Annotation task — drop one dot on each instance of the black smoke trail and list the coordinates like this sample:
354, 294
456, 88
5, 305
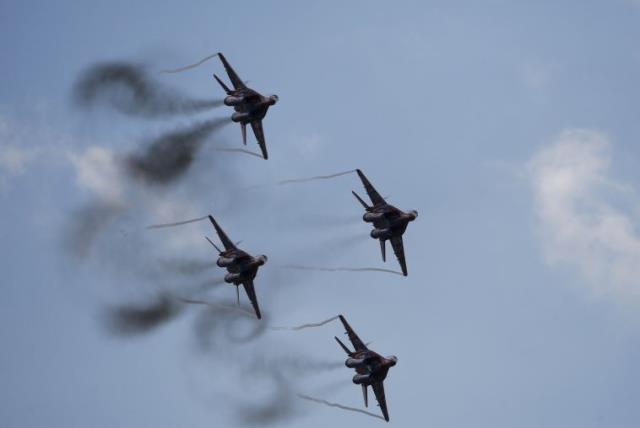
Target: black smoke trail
169, 156
131, 320
128, 89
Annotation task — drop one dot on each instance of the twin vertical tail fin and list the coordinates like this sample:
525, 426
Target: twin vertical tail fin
364, 204
342, 345
226, 89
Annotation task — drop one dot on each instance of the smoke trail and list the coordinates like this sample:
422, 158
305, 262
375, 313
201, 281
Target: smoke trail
228, 150
279, 407
186, 267
219, 306
131, 320
340, 406
129, 90
303, 326
318, 177
169, 156
341, 269
189, 67
179, 223
86, 224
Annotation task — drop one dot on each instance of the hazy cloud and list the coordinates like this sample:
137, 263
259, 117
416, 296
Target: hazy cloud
579, 223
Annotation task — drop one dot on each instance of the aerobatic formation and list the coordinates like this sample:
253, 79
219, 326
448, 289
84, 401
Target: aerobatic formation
250, 107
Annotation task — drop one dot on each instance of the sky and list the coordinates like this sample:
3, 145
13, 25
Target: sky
511, 126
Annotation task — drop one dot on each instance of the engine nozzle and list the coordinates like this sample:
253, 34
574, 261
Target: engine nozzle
381, 233
232, 101
372, 217
232, 278
240, 117
224, 261
354, 363
359, 379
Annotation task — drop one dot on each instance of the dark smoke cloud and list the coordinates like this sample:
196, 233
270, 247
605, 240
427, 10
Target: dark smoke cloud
169, 156
224, 321
133, 320
128, 89
278, 408
86, 224
186, 266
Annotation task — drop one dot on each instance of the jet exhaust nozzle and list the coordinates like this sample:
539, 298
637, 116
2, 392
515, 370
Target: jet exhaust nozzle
240, 117
353, 363
371, 217
232, 278
224, 261
359, 379
380, 233
232, 101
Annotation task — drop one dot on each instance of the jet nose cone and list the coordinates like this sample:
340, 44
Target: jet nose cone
393, 360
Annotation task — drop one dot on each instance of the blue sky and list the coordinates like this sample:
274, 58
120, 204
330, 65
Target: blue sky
511, 127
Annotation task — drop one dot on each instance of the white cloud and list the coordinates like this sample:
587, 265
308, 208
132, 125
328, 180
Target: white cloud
579, 225
98, 170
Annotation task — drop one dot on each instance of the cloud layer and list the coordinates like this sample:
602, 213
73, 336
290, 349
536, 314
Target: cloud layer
580, 221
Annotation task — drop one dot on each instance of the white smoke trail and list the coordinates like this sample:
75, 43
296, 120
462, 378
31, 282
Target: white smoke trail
317, 177
303, 326
340, 406
341, 269
189, 67
179, 223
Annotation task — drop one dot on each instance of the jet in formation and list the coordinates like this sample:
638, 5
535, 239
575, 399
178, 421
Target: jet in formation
389, 223
249, 105
242, 267
371, 368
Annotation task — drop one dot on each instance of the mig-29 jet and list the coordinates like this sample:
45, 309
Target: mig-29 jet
371, 367
242, 268
389, 222
249, 105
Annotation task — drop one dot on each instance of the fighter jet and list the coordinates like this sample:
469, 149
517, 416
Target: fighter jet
371, 368
388, 221
249, 105
242, 268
